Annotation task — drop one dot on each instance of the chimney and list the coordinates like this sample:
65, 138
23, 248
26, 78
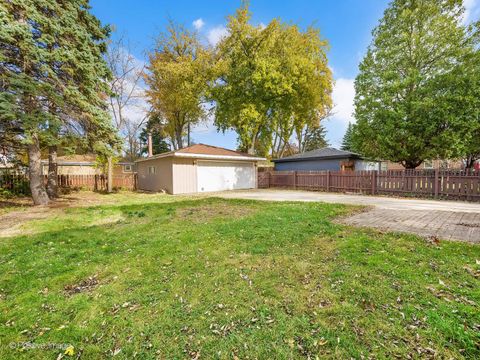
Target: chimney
150, 146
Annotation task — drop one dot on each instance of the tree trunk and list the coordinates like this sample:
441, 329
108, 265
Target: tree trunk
470, 162
179, 139
37, 185
411, 164
110, 175
52, 186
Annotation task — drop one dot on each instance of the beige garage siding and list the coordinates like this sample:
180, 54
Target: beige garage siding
184, 176
161, 180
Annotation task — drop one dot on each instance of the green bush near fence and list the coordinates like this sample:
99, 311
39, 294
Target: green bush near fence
13, 185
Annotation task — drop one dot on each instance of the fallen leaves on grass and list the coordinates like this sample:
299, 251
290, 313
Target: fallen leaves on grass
85, 285
475, 273
449, 297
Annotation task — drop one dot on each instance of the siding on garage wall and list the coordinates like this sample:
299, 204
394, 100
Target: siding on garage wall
184, 176
161, 180
309, 165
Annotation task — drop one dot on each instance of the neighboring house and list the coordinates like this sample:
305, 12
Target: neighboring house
198, 168
85, 165
456, 164
325, 159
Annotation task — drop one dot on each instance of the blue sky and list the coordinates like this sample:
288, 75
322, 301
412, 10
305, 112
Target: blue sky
346, 24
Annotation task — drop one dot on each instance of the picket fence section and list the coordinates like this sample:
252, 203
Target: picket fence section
446, 184
17, 182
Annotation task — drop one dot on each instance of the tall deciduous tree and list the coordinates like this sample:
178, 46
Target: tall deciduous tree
177, 77
127, 103
415, 47
272, 82
52, 74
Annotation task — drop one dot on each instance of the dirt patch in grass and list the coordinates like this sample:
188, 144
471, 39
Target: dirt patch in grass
115, 218
205, 213
86, 285
12, 223
9, 204
14, 213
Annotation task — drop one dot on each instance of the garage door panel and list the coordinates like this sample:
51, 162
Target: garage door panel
218, 176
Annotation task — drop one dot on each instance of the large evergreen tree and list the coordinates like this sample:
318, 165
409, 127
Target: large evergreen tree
52, 77
416, 48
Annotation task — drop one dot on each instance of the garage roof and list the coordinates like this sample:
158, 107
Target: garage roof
319, 154
204, 151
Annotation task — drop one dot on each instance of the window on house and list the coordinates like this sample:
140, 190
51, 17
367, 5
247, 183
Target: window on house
152, 169
127, 168
428, 164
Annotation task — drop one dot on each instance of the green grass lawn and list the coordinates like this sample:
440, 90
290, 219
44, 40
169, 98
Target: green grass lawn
167, 277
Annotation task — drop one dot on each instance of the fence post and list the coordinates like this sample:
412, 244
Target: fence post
294, 179
374, 182
435, 185
328, 180
268, 179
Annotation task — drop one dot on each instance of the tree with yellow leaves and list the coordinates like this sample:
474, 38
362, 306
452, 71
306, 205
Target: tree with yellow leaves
177, 77
272, 83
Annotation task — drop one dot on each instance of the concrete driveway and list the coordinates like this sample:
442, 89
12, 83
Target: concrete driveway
451, 220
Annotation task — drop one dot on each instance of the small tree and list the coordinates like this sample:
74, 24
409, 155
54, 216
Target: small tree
159, 145
347, 141
314, 139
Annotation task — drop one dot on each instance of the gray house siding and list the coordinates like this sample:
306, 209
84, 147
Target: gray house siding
309, 165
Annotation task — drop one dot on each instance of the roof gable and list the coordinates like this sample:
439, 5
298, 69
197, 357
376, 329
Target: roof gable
204, 149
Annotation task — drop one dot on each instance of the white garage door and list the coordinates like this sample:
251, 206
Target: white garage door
218, 176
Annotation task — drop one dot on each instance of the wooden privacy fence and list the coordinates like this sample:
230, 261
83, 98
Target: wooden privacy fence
17, 183
97, 182
449, 184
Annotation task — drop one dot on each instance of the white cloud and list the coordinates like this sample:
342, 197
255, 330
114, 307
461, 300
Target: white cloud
216, 34
343, 95
198, 24
472, 10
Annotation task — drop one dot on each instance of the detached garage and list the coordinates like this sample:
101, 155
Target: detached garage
198, 168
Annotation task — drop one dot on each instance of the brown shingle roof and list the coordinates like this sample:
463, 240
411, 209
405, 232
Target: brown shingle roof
210, 150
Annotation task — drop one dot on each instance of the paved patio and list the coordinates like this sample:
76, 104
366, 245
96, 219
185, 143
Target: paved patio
450, 220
